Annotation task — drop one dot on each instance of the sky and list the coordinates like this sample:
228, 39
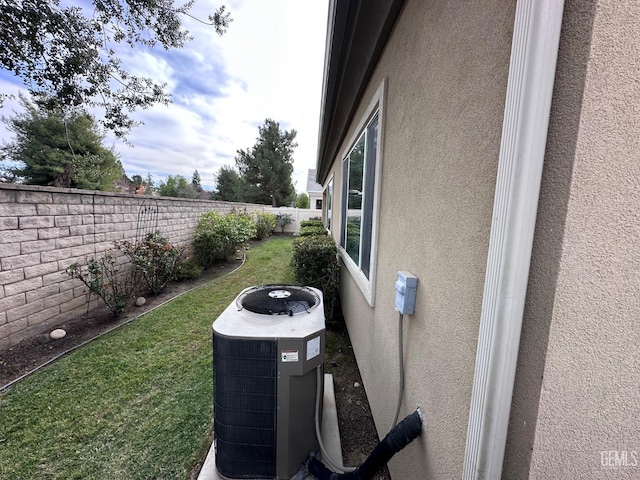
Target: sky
269, 64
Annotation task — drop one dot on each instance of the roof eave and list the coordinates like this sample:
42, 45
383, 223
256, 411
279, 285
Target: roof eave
357, 32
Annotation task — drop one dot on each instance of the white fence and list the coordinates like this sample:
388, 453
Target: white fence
297, 215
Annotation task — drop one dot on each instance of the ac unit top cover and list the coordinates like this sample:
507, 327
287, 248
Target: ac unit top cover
273, 311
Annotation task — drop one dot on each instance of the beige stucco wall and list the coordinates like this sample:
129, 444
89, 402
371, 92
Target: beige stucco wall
589, 401
446, 65
564, 125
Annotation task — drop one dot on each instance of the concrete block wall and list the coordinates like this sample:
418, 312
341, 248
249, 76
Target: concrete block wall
43, 230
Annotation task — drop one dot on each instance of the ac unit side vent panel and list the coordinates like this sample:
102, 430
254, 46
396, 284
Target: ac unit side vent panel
245, 405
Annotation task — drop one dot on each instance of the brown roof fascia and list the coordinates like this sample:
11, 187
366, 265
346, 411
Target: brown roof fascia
357, 33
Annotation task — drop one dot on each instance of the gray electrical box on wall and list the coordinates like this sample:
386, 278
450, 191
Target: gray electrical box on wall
406, 286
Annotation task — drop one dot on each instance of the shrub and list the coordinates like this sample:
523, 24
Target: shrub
188, 270
312, 227
312, 230
283, 220
218, 237
315, 264
265, 224
312, 222
103, 278
154, 260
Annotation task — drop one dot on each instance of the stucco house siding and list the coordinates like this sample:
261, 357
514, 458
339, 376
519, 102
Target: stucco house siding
443, 73
445, 66
564, 125
578, 382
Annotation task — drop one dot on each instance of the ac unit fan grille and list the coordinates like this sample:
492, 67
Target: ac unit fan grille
278, 300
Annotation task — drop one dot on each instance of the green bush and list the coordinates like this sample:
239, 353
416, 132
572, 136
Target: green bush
104, 278
265, 224
313, 222
312, 230
315, 264
283, 220
154, 260
312, 227
188, 270
218, 237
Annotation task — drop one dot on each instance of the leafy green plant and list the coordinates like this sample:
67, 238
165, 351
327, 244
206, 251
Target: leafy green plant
315, 264
312, 226
302, 200
265, 224
312, 222
312, 230
105, 279
218, 237
188, 270
283, 220
154, 260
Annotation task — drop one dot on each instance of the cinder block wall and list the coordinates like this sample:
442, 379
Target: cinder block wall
43, 230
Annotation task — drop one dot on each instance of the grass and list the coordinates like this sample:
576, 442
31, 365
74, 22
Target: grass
137, 403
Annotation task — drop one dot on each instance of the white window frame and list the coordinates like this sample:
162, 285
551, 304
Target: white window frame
366, 285
328, 202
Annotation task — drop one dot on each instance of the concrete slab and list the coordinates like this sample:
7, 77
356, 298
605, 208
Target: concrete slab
329, 432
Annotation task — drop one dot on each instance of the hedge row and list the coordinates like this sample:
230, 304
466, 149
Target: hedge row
315, 263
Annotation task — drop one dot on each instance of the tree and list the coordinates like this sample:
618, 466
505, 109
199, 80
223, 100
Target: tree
302, 201
230, 187
149, 186
51, 148
177, 186
196, 182
267, 167
67, 57
136, 182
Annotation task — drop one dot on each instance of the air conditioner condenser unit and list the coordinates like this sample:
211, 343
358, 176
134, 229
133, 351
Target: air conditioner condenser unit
267, 345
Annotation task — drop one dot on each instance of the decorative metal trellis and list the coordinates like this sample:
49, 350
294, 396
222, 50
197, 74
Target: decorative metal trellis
147, 219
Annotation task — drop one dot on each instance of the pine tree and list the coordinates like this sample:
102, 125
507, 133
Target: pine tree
230, 187
196, 182
51, 148
267, 167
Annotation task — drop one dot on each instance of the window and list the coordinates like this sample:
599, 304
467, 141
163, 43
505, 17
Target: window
358, 168
360, 172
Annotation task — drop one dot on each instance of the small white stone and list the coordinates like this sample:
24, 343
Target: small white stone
356, 384
57, 334
140, 301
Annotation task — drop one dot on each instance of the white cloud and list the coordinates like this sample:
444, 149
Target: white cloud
268, 65
10, 107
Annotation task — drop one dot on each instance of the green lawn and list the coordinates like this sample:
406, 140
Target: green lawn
136, 403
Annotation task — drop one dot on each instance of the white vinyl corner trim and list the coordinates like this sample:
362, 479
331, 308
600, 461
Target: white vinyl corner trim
534, 53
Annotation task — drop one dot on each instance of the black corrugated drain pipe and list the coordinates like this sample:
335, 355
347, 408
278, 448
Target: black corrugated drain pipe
398, 438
